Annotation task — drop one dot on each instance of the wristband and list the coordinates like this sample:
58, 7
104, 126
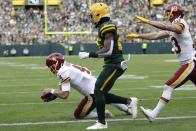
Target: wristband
93, 54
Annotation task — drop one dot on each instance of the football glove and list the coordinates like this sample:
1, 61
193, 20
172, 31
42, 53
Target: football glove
132, 36
142, 20
83, 55
47, 97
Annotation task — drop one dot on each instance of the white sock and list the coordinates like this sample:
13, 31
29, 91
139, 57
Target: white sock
167, 92
121, 107
158, 108
91, 115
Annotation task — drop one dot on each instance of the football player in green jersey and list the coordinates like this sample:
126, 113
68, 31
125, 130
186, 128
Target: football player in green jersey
110, 45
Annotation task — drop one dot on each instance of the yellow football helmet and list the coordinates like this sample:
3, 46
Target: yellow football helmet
99, 10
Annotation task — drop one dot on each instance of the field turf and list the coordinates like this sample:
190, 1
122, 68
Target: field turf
22, 80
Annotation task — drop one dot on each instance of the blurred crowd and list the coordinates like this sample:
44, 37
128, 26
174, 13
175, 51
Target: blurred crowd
19, 25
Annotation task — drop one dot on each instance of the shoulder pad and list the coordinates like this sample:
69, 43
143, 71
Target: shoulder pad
63, 74
179, 22
62, 70
109, 27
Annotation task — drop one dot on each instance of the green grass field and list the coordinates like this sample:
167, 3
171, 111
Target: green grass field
22, 80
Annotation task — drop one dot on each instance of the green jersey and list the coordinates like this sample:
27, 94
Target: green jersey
117, 55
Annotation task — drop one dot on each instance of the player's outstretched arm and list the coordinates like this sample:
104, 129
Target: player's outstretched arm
148, 36
50, 94
61, 94
176, 27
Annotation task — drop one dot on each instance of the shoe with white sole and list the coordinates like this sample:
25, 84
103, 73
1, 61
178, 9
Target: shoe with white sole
97, 126
148, 114
133, 107
108, 114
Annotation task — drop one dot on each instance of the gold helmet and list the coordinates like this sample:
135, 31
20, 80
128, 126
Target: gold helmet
98, 11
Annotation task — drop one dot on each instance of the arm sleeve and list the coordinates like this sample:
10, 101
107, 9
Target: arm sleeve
179, 23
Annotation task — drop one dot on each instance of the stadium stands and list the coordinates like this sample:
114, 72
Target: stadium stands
22, 26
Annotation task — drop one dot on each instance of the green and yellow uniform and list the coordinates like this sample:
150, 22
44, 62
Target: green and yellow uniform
111, 70
100, 16
116, 56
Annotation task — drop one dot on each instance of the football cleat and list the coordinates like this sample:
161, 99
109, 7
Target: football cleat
97, 126
148, 114
133, 107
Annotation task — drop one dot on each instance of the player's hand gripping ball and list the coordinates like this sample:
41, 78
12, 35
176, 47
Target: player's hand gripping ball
47, 96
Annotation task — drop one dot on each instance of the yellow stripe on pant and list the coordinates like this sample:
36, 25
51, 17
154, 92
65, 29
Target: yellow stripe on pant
107, 80
183, 75
87, 106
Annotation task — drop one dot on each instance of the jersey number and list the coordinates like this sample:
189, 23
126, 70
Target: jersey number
176, 45
82, 69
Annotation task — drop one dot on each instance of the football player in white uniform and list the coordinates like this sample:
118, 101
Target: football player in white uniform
81, 79
178, 30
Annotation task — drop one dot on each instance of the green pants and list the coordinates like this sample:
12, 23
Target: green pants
107, 78
104, 83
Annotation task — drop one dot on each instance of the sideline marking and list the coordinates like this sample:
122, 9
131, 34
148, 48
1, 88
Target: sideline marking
182, 88
86, 121
74, 102
26, 66
171, 60
136, 77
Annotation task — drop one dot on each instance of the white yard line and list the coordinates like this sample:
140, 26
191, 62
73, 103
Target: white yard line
187, 87
87, 121
38, 92
22, 92
75, 102
171, 60
34, 103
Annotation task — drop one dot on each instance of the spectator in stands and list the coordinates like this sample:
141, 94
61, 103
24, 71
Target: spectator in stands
21, 26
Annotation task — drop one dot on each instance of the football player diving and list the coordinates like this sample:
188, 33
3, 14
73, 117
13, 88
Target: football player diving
79, 78
178, 30
110, 48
